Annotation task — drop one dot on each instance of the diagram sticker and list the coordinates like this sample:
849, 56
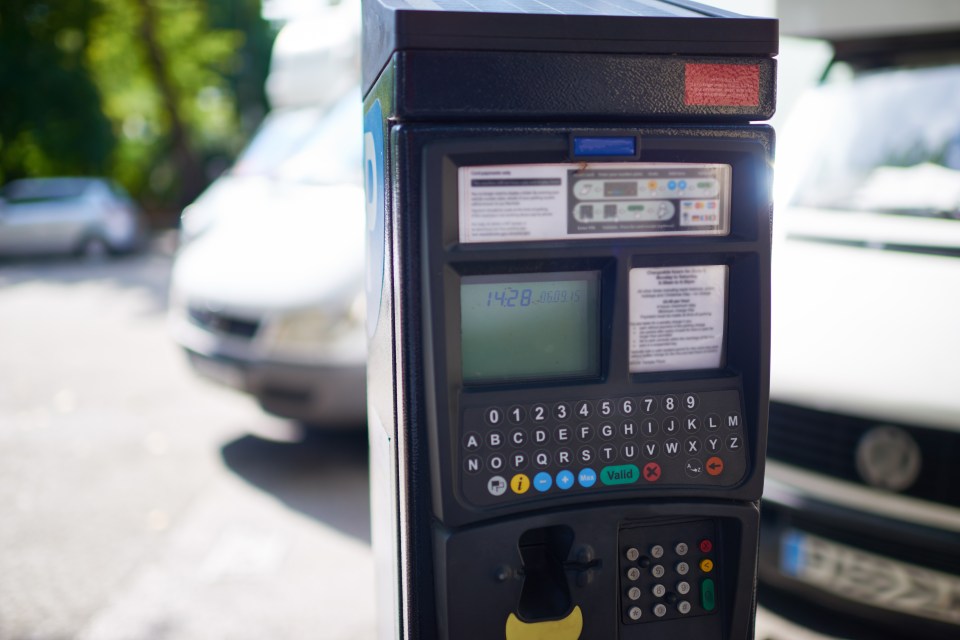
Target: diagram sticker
516, 203
677, 318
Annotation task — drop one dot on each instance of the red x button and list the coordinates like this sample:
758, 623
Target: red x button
651, 472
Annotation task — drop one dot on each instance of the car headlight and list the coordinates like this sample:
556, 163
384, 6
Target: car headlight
312, 328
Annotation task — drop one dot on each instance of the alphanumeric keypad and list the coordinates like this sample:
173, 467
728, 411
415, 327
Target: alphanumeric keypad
544, 449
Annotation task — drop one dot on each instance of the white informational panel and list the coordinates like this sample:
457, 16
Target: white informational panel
536, 202
677, 318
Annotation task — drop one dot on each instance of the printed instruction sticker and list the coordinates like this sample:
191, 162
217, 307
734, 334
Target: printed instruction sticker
677, 318
516, 203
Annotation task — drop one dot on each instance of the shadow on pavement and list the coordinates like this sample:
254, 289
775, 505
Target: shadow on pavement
323, 476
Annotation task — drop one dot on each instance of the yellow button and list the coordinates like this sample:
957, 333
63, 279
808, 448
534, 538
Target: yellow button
706, 565
520, 483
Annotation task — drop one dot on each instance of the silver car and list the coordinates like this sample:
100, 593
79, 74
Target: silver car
267, 291
91, 217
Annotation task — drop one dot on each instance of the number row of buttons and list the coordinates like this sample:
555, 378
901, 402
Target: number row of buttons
585, 409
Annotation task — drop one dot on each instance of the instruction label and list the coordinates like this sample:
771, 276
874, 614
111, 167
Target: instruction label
516, 203
677, 318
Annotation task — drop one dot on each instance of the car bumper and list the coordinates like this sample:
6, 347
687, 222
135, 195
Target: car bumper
823, 543
331, 396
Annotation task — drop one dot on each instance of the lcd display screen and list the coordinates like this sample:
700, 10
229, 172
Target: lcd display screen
530, 326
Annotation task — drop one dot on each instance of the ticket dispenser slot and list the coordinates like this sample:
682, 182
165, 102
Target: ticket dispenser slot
569, 300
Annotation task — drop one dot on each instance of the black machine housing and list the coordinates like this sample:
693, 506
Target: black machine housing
656, 543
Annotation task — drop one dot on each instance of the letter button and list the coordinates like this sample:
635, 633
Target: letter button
471, 441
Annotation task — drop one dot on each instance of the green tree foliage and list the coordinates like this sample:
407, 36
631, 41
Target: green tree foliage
50, 116
146, 91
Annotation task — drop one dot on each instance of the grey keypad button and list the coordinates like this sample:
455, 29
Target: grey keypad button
657, 571
683, 588
683, 607
656, 551
497, 486
660, 610
682, 568
635, 613
633, 574
658, 590
633, 554
634, 593
681, 549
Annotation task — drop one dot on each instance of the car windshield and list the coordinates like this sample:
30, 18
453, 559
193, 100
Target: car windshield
280, 135
886, 141
332, 153
308, 145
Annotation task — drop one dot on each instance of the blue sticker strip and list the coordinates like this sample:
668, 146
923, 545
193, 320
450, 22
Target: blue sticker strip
605, 146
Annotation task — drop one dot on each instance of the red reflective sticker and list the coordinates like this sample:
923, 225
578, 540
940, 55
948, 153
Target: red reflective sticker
722, 85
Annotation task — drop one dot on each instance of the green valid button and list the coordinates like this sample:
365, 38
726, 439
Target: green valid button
621, 474
635, 207
708, 597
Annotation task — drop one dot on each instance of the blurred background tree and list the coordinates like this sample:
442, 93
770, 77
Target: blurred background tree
158, 94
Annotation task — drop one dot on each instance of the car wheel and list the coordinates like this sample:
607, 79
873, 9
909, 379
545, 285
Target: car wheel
94, 249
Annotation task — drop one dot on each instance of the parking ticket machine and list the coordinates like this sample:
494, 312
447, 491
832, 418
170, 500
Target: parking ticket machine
568, 218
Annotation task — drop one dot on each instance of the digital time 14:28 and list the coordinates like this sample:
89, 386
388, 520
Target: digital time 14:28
525, 297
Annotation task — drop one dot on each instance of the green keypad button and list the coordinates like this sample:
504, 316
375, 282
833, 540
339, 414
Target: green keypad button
708, 597
619, 474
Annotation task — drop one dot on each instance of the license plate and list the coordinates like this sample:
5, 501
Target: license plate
224, 373
870, 579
